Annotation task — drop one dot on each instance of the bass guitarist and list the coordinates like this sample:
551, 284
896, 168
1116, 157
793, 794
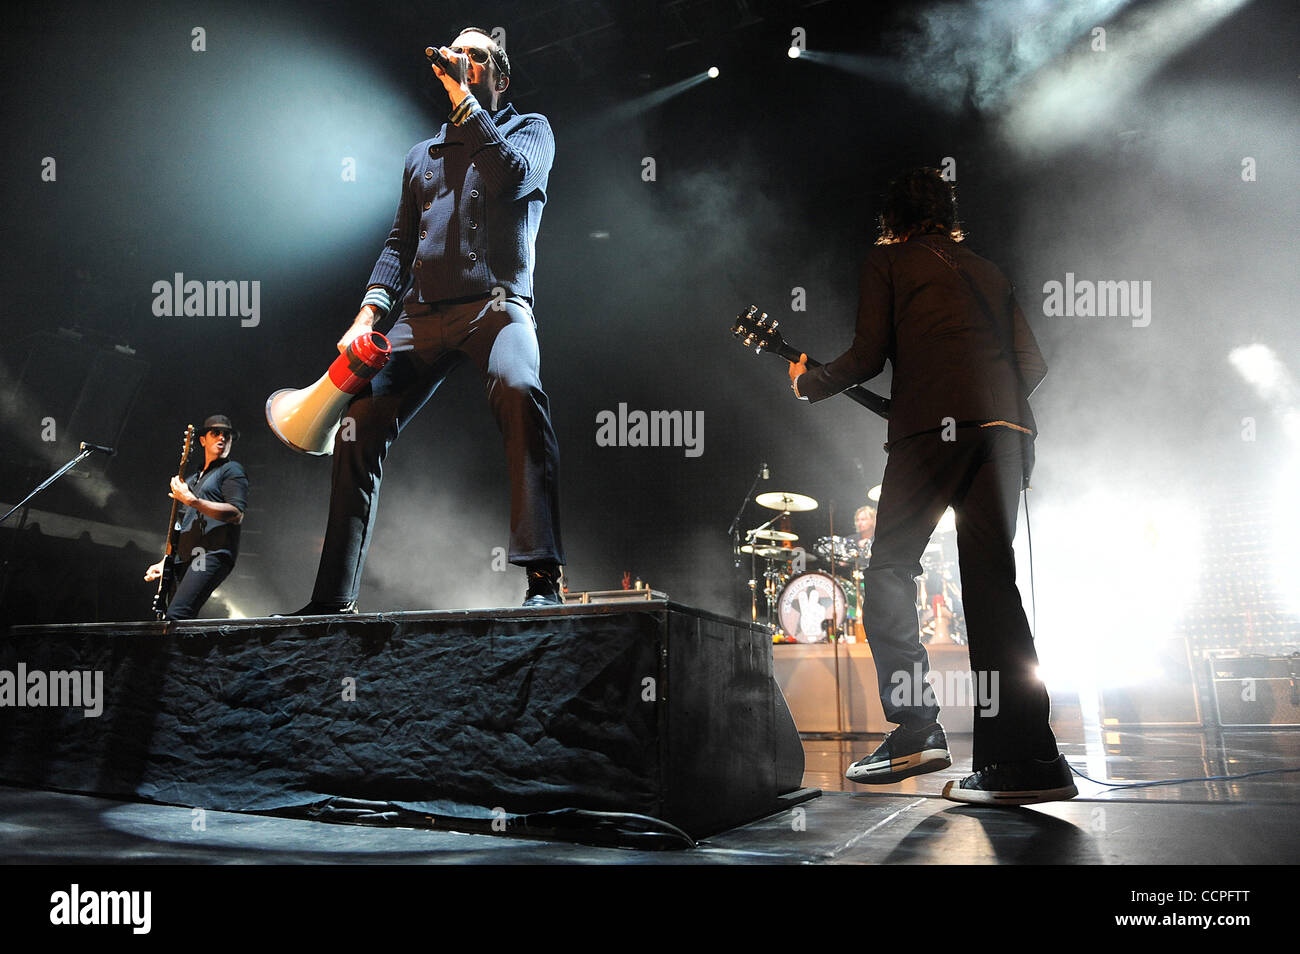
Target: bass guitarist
213, 499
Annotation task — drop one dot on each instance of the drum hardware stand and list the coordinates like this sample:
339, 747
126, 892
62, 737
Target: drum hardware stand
733, 531
835, 642
768, 595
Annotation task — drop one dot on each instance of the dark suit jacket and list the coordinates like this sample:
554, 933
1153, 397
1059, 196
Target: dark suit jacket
470, 208
917, 313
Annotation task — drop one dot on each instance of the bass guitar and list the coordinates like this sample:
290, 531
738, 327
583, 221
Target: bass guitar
167, 582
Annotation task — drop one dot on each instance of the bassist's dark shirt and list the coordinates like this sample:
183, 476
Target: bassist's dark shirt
224, 482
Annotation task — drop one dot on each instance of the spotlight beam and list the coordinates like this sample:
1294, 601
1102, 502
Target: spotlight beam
632, 108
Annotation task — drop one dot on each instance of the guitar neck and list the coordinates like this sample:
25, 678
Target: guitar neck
869, 399
755, 330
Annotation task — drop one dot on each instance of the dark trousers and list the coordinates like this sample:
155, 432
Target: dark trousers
500, 338
979, 476
195, 582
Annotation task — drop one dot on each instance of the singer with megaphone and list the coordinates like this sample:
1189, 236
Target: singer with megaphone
456, 275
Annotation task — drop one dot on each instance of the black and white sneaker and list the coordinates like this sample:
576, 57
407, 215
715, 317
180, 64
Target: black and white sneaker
1015, 783
904, 753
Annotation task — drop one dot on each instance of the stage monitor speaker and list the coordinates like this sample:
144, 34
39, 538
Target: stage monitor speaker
1256, 691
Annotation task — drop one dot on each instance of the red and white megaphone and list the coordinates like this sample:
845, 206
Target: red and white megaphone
307, 418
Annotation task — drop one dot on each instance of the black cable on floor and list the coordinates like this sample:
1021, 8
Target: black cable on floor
1178, 781
603, 829
617, 829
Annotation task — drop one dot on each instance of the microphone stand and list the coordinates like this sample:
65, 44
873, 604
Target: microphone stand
86, 451
733, 531
82, 455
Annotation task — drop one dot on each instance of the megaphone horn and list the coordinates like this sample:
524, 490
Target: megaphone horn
307, 419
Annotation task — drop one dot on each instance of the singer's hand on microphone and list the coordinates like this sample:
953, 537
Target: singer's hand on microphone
453, 84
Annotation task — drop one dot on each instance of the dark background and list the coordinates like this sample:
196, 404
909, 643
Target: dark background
225, 164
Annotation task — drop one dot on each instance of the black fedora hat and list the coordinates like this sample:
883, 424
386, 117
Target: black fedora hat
219, 422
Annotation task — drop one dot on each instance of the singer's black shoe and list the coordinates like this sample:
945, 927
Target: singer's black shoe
321, 609
904, 753
543, 585
1015, 783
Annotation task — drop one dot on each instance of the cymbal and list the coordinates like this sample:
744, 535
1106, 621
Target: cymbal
874, 493
784, 500
776, 553
779, 535
763, 551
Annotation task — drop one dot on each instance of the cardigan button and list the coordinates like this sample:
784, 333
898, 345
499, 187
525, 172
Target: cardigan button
473, 193
473, 257
428, 175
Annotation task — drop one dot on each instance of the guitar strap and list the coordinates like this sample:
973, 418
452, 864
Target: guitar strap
1004, 343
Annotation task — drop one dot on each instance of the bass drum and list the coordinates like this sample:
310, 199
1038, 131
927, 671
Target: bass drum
806, 605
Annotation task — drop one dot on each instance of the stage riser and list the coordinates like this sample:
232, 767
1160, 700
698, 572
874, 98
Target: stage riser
806, 675
656, 710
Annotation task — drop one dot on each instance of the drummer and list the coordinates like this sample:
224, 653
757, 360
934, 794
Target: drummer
865, 521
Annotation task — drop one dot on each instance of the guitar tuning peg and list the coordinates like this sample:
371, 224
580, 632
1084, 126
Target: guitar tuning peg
761, 345
761, 321
735, 330
749, 340
752, 310
773, 325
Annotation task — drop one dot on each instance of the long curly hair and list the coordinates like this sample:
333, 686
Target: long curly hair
919, 201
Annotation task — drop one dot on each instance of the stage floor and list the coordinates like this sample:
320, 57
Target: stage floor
1246, 822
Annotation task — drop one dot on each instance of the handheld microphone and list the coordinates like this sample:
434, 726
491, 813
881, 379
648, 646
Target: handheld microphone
444, 64
100, 448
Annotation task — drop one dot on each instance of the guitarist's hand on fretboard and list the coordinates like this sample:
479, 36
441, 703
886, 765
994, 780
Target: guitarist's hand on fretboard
797, 368
758, 331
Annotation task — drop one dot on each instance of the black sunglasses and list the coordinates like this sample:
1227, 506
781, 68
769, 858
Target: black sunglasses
475, 53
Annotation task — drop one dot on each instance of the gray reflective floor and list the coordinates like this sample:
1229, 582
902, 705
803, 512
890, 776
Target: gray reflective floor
1243, 822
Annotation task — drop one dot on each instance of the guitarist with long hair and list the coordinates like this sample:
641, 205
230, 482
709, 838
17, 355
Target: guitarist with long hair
206, 541
961, 435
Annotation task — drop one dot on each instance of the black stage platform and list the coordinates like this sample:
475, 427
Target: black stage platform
650, 708
211, 734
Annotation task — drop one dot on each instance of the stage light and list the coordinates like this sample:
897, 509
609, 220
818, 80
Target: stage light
713, 72
1069, 99
793, 52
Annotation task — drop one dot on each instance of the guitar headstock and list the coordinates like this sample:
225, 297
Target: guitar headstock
187, 444
757, 330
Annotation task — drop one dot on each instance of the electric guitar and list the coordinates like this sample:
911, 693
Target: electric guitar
167, 582
756, 330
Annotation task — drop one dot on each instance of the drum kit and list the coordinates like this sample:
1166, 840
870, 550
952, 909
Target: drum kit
801, 603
